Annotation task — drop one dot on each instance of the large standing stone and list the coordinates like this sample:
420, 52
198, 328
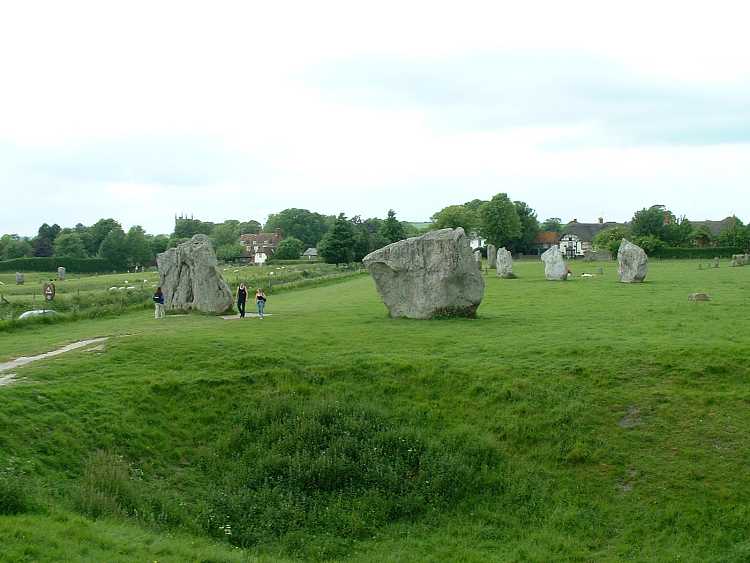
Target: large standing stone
19, 278
61, 273
491, 256
632, 262
504, 264
190, 279
428, 276
478, 258
554, 264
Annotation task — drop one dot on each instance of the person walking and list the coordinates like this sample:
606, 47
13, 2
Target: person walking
159, 304
241, 299
260, 301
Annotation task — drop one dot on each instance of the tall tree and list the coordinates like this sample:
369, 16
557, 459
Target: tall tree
225, 233
734, 235
99, 232
499, 222
137, 247
114, 248
305, 225
250, 227
651, 221
186, 227
70, 245
455, 216
529, 227
392, 230
337, 246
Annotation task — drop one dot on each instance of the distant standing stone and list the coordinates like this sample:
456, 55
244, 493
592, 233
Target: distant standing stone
632, 262
190, 279
61, 273
504, 264
716, 262
491, 256
554, 264
19, 278
428, 276
478, 258
699, 297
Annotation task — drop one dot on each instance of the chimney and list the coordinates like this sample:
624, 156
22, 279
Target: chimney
574, 221
601, 220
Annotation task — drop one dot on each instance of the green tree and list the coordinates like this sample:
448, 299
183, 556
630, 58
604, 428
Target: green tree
529, 227
226, 233
610, 239
702, 236
552, 225
651, 221
392, 230
230, 251
114, 248
250, 227
159, 243
99, 231
289, 249
70, 245
337, 246
499, 222
455, 216
678, 232
734, 235
649, 243
302, 224
366, 236
138, 248
186, 227
13, 246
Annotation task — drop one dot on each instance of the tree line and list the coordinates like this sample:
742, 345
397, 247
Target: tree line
499, 221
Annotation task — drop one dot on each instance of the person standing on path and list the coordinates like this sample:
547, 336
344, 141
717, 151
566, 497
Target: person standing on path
241, 299
159, 304
260, 301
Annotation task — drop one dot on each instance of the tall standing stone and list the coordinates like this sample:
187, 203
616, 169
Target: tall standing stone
61, 273
504, 264
19, 278
491, 256
190, 279
554, 264
429, 276
632, 262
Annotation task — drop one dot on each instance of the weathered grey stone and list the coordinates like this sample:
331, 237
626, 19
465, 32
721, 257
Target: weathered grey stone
61, 273
20, 278
504, 265
632, 262
554, 264
428, 276
190, 279
717, 261
478, 258
491, 256
699, 297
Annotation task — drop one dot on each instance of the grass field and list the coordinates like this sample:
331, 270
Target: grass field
582, 420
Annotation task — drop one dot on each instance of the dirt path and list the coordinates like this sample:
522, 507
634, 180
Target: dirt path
22, 361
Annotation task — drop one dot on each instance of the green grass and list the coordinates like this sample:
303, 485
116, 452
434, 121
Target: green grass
580, 420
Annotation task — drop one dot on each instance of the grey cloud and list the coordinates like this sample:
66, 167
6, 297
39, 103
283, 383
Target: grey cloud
494, 92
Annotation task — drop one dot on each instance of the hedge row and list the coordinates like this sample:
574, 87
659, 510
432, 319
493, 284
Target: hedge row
50, 264
708, 252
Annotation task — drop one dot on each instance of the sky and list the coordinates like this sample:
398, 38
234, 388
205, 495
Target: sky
143, 110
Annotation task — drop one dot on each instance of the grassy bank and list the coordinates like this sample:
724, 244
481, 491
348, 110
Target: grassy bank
581, 420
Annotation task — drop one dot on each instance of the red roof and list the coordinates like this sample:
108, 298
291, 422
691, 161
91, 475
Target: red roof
547, 237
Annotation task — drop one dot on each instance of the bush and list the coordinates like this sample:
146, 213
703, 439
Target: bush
106, 488
51, 263
706, 253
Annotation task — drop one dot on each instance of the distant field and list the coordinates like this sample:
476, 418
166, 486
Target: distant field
585, 420
83, 292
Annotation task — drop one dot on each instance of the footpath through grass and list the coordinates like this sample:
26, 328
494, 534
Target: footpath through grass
583, 420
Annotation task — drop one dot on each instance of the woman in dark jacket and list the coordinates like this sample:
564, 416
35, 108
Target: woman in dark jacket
241, 299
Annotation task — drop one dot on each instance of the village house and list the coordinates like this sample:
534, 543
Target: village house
544, 241
261, 246
578, 238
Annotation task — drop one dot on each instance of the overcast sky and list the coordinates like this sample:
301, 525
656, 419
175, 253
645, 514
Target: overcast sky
140, 110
